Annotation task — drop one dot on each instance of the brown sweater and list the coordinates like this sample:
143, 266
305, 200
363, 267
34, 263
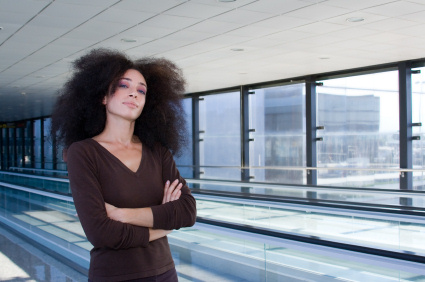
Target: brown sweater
123, 251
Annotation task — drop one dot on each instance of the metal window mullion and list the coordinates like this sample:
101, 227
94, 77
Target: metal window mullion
23, 145
311, 153
195, 137
32, 149
1, 149
42, 141
405, 121
244, 92
7, 148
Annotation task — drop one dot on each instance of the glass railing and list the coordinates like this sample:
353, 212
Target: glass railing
386, 229
51, 184
204, 252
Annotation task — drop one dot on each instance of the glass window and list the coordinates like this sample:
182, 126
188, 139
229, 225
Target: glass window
360, 115
185, 160
12, 146
277, 127
48, 147
219, 126
418, 116
4, 148
19, 144
28, 144
37, 144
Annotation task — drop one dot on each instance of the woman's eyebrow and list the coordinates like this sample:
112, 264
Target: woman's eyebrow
129, 79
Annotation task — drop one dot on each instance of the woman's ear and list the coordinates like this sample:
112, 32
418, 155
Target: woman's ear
104, 100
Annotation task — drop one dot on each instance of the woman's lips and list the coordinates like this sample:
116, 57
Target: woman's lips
131, 104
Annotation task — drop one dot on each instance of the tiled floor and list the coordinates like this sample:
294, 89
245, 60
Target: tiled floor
20, 261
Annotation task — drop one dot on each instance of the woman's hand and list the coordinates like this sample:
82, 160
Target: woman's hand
115, 213
172, 191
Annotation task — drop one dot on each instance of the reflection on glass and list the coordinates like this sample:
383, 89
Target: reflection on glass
219, 124
37, 144
47, 143
28, 145
418, 116
185, 160
19, 146
277, 118
4, 148
361, 120
12, 145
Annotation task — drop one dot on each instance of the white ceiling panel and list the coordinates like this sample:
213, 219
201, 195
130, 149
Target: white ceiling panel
17, 18
251, 31
358, 4
126, 17
24, 6
149, 5
320, 27
276, 7
280, 23
397, 8
417, 17
232, 5
243, 17
367, 18
318, 12
197, 10
413, 31
96, 31
145, 31
390, 24
98, 3
214, 27
170, 22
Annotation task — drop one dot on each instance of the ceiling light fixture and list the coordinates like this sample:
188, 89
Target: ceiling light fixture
226, 1
237, 49
128, 40
355, 19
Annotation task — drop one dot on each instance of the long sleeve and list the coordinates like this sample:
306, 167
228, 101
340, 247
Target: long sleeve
179, 213
86, 189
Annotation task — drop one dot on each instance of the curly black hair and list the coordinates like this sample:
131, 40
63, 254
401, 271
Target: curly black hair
80, 114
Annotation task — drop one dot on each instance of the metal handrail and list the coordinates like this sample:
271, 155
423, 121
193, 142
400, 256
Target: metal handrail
312, 168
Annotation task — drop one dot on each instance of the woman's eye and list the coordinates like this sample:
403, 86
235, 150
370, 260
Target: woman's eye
121, 85
141, 91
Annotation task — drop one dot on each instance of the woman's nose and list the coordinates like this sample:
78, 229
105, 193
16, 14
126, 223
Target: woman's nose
134, 94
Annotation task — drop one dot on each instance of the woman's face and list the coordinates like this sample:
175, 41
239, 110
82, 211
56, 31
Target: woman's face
129, 97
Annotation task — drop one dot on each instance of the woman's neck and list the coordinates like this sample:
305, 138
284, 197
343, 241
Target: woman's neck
118, 131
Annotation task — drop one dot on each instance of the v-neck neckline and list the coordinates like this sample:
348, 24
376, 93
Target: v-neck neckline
117, 160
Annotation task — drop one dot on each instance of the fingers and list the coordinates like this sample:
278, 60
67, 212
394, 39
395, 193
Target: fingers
172, 191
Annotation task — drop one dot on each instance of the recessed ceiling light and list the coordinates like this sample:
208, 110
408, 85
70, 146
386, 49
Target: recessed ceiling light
23, 93
225, 1
324, 58
237, 49
128, 40
355, 19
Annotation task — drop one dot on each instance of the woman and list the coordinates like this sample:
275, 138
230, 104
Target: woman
120, 120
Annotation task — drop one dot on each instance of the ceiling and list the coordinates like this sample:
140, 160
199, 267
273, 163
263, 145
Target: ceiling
217, 44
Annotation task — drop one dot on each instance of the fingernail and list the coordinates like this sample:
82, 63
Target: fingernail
168, 182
